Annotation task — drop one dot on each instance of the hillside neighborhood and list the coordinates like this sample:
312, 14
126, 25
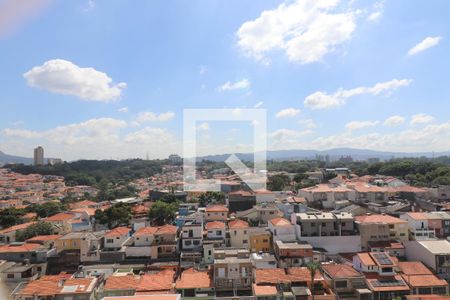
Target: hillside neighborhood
369, 237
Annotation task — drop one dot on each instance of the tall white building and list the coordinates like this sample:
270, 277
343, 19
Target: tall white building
38, 157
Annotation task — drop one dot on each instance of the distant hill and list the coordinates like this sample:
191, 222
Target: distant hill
357, 154
11, 159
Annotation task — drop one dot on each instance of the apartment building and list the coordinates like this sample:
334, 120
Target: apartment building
380, 228
344, 279
239, 233
232, 269
326, 194
433, 253
419, 228
324, 224
293, 254
282, 230
216, 213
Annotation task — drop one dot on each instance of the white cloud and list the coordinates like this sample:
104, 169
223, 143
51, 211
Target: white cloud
203, 70
63, 77
377, 13
425, 44
101, 138
258, 105
308, 123
394, 121
88, 132
123, 109
306, 30
241, 84
322, 100
357, 125
203, 127
287, 112
148, 116
421, 119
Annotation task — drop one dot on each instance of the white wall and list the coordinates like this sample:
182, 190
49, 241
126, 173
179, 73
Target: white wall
335, 244
416, 252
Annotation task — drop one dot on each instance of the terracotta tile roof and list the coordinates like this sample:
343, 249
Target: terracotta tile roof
427, 297
271, 276
48, 285
399, 286
379, 219
145, 231
161, 281
280, 222
264, 290
167, 229
89, 211
191, 279
146, 297
340, 271
302, 274
60, 217
118, 231
424, 280
417, 216
19, 248
413, 268
43, 238
238, 224
215, 225
82, 285
128, 282
366, 259
216, 208
84, 203
16, 227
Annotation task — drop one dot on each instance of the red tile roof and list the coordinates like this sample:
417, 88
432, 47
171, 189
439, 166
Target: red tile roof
264, 290
280, 222
43, 238
424, 280
238, 224
19, 248
161, 281
128, 282
379, 219
16, 227
216, 208
413, 268
192, 279
215, 225
60, 217
340, 271
118, 231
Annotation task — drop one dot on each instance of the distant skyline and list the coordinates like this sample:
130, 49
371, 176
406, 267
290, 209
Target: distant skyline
110, 79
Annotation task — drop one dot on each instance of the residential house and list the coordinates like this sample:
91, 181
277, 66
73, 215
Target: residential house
21, 272
239, 233
292, 254
18, 252
8, 235
191, 243
439, 221
418, 226
326, 195
120, 285
375, 262
282, 230
380, 228
216, 213
260, 214
215, 238
421, 280
154, 242
85, 244
367, 193
193, 285
324, 224
241, 200
433, 253
260, 240
263, 260
394, 248
344, 279
116, 238
232, 270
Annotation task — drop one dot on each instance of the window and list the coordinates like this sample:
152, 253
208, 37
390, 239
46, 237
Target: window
109, 241
341, 284
196, 243
221, 272
245, 231
187, 243
218, 232
10, 276
343, 224
313, 224
265, 240
244, 241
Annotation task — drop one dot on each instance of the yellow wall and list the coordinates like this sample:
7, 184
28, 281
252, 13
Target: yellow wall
257, 243
69, 244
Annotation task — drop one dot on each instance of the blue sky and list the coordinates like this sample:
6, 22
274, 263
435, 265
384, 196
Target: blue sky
110, 79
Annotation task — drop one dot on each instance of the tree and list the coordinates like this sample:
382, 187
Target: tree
47, 209
117, 215
39, 228
11, 216
162, 213
278, 182
300, 176
211, 197
312, 268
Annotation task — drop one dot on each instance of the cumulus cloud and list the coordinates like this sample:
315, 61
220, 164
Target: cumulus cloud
377, 12
394, 121
149, 135
322, 100
238, 85
357, 125
308, 123
305, 30
123, 109
421, 119
425, 44
258, 105
287, 112
64, 77
90, 131
148, 116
